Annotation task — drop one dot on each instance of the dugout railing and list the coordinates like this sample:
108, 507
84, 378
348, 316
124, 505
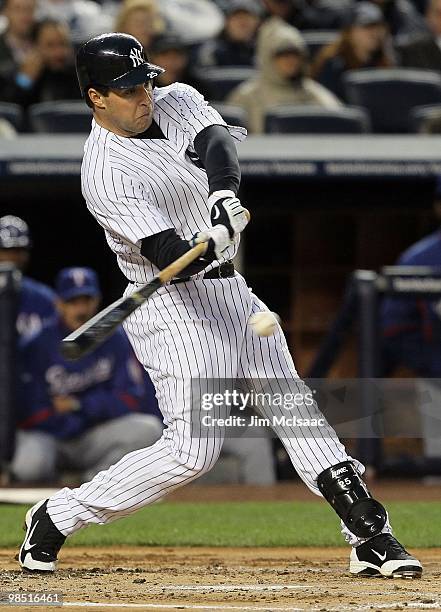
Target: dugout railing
360, 307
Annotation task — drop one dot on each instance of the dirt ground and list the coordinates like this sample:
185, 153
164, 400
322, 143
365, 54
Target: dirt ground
224, 579
238, 579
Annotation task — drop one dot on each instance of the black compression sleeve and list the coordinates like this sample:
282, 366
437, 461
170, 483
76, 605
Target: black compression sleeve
163, 248
217, 151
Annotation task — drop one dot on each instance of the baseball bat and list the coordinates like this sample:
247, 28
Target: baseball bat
92, 333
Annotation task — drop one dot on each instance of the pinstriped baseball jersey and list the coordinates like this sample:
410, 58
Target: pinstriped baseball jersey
138, 187
185, 332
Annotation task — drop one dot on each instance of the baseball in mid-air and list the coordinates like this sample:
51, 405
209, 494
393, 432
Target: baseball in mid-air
264, 323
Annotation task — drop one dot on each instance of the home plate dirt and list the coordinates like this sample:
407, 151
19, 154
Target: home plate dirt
141, 578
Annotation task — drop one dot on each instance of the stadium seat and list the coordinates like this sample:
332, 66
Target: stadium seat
389, 94
288, 119
317, 39
233, 115
220, 81
12, 113
72, 117
421, 115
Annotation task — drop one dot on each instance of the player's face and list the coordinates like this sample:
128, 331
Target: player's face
78, 310
126, 112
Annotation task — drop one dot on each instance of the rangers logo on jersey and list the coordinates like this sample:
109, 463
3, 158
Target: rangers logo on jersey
136, 57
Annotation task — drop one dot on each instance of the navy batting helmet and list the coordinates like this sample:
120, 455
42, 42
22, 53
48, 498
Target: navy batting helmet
14, 233
113, 60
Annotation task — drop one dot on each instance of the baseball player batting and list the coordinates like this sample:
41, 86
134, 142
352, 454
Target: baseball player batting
160, 174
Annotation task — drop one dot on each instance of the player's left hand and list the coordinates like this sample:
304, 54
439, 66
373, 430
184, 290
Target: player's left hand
217, 239
227, 210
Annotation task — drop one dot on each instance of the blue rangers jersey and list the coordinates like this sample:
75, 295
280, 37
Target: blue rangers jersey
36, 307
107, 384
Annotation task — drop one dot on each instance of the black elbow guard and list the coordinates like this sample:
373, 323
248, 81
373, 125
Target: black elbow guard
342, 486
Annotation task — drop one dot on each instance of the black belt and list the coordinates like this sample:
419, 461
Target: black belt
224, 270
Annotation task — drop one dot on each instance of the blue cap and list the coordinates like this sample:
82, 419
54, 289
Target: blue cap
72, 282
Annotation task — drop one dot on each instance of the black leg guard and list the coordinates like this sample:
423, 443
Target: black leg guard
343, 488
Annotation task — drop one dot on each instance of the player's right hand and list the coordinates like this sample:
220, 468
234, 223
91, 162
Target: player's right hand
217, 239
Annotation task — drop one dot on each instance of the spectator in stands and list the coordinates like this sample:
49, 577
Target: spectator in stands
36, 306
141, 19
361, 44
169, 52
83, 18
281, 76
424, 50
16, 41
194, 21
401, 16
412, 336
86, 414
48, 73
309, 14
235, 45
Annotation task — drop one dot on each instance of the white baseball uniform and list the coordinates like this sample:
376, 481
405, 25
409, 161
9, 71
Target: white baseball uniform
194, 330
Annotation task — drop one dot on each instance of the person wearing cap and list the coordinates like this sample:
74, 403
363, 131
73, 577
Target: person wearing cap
36, 305
83, 415
411, 335
235, 45
281, 76
363, 43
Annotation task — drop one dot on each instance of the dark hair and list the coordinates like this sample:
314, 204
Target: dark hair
343, 48
104, 91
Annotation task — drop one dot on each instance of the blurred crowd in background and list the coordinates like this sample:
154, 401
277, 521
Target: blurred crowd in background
290, 52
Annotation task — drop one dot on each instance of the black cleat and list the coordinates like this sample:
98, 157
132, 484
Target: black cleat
383, 555
38, 553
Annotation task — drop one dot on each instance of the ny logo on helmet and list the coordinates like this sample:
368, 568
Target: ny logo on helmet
136, 57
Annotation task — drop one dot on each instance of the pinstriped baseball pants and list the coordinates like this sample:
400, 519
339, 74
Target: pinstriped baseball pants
185, 332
